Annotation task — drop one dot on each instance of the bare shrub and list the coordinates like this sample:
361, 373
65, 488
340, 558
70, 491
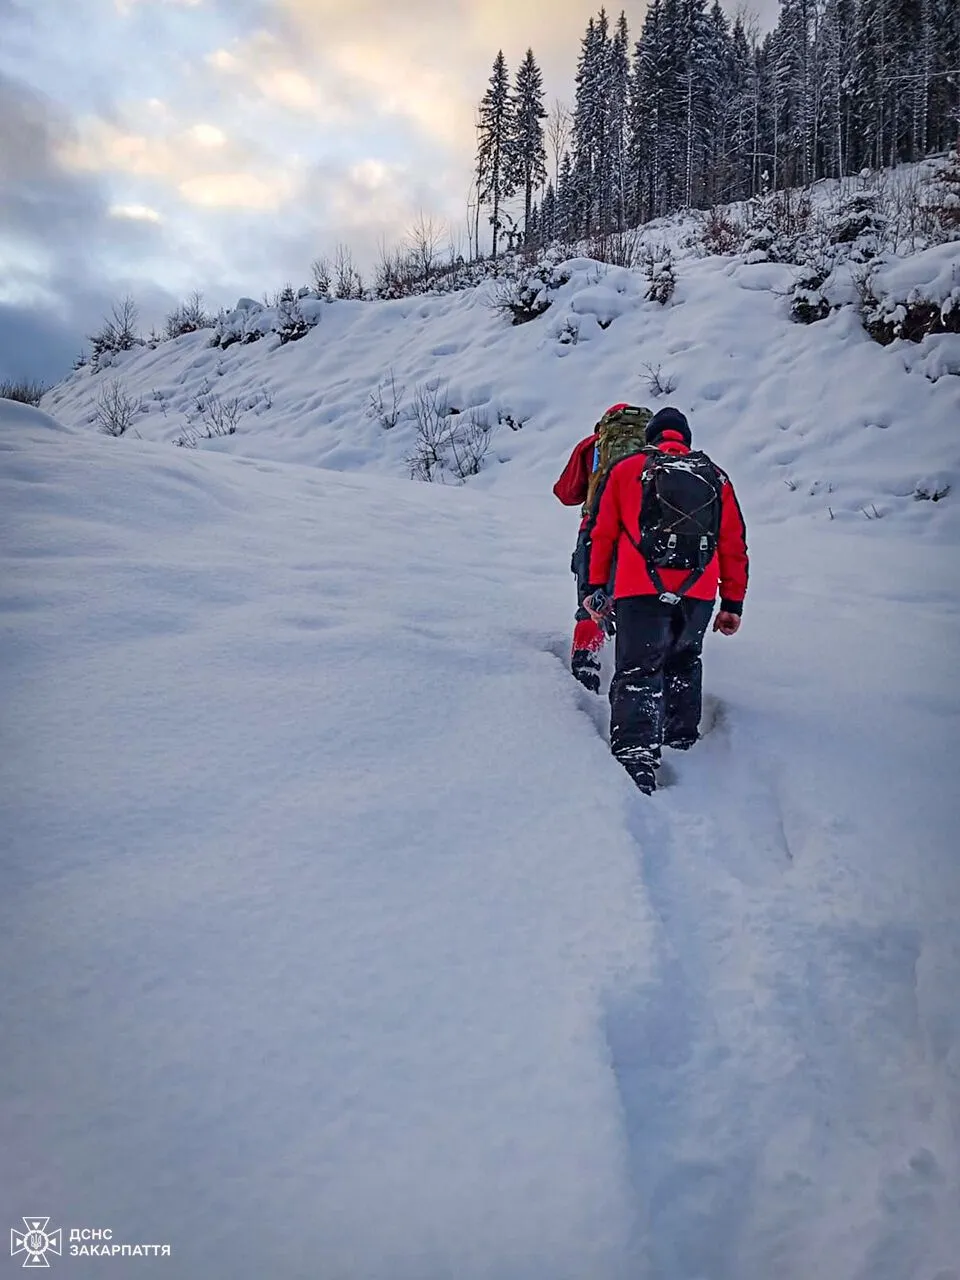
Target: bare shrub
423, 245
617, 248
22, 391
347, 279
118, 331
116, 410
385, 403
447, 441
321, 276
722, 234
430, 419
212, 418
219, 417
658, 383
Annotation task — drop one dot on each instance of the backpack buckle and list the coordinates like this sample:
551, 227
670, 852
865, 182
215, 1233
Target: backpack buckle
670, 597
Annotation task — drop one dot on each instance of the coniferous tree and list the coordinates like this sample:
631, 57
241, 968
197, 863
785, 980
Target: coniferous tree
740, 120
618, 109
568, 209
588, 124
718, 178
527, 152
495, 131
943, 108
548, 215
694, 46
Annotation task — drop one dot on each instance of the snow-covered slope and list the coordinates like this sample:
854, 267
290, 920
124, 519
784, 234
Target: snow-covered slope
817, 421
335, 942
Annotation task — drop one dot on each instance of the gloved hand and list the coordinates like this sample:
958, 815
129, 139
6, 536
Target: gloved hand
598, 604
727, 624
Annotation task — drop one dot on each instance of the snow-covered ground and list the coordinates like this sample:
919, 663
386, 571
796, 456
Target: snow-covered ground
334, 942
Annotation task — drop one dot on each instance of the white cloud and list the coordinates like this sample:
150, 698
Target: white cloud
208, 135
125, 7
136, 212
237, 190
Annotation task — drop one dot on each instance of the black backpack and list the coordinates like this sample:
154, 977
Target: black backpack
679, 516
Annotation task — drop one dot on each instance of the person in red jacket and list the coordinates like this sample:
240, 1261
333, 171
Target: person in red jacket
655, 695
589, 633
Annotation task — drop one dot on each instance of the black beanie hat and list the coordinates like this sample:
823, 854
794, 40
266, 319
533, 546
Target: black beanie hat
668, 419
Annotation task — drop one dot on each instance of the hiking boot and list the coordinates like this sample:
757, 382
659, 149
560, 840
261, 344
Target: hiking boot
642, 768
585, 666
644, 775
680, 744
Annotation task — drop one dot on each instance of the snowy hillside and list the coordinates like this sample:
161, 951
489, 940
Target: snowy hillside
819, 421
337, 944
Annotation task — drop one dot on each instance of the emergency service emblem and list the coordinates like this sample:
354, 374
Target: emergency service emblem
36, 1242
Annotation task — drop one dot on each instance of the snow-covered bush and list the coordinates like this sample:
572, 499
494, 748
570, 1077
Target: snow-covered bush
22, 391
947, 197
659, 269
291, 323
860, 224
912, 297
291, 316
188, 317
781, 227
808, 302
530, 294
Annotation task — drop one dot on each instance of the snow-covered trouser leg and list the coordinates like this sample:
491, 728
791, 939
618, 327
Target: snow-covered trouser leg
655, 692
588, 637
683, 674
637, 688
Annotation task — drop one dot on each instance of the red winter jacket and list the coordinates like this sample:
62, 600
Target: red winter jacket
571, 488
620, 510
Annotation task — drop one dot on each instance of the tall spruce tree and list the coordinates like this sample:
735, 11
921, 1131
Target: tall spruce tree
567, 220
618, 108
495, 131
527, 151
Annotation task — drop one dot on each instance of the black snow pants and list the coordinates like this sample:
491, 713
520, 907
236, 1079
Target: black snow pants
656, 692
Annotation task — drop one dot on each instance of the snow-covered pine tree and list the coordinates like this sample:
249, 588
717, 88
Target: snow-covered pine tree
527, 152
618, 99
834, 59
740, 116
548, 215
495, 130
874, 66
590, 129
644, 119
566, 222
943, 127
656, 112
795, 87
694, 48
718, 173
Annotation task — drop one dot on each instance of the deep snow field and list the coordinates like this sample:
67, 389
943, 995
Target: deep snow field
336, 946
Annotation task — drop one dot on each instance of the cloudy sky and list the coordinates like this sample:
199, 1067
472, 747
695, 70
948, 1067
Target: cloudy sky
160, 146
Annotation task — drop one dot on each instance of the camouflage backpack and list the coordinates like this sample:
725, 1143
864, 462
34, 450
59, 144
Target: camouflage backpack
620, 432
